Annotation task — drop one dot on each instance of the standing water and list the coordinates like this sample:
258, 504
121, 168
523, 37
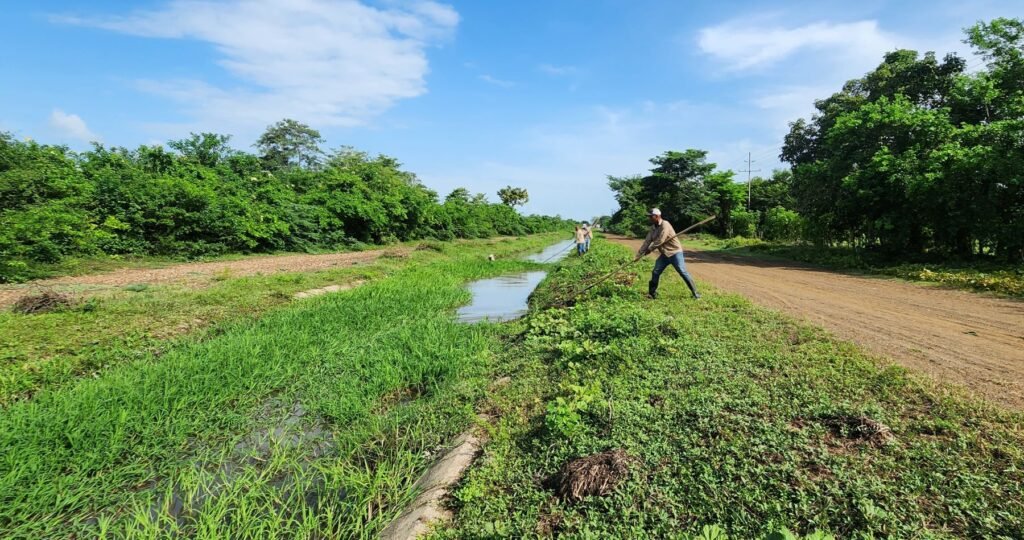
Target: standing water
501, 298
553, 253
505, 298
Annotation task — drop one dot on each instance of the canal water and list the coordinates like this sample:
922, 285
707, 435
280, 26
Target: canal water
504, 298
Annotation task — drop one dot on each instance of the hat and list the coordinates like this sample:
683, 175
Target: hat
654, 212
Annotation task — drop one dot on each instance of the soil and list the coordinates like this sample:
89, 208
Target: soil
200, 273
969, 339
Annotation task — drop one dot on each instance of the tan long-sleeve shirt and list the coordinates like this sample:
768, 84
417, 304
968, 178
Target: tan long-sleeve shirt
662, 236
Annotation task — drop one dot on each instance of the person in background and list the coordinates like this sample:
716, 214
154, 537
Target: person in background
663, 238
580, 241
587, 237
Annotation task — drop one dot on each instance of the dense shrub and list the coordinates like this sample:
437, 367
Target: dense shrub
782, 224
205, 198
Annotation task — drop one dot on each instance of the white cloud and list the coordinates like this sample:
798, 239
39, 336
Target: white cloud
72, 126
751, 44
496, 82
332, 63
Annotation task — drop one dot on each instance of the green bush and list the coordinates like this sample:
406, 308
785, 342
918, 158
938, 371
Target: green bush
782, 224
206, 198
744, 223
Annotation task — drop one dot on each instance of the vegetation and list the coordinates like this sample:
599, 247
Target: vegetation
201, 197
919, 156
686, 188
311, 421
733, 419
976, 275
315, 419
513, 196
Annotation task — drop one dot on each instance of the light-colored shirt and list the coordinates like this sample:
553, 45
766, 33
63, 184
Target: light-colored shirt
662, 236
580, 236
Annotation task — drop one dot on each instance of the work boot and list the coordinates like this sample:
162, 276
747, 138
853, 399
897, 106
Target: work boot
652, 290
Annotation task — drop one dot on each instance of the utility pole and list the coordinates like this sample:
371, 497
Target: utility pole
748, 171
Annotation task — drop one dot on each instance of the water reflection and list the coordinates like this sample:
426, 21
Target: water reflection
553, 253
501, 298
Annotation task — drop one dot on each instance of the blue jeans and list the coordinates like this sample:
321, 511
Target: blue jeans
679, 264
586, 245
580, 249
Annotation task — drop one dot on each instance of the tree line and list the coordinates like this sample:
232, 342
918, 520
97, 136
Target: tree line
920, 155
199, 196
688, 188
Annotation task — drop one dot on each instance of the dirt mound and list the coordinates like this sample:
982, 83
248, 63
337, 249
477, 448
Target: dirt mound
858, 428
596, 474
43, 302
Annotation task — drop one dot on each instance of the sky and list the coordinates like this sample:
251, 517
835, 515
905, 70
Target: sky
548, 95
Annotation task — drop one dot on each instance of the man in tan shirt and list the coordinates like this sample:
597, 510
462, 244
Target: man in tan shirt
662, 237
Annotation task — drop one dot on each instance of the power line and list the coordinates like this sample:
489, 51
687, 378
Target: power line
748, 171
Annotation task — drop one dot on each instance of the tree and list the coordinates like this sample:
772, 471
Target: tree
918, 156
207, 149
683, 185
513, 196
289, 143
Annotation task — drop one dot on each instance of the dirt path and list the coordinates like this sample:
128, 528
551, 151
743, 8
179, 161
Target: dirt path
198, 274
961, 337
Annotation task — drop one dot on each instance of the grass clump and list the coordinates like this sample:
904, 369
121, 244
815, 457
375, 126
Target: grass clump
736, 421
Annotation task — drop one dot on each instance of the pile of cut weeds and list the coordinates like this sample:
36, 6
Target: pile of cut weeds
44, 302
593, 475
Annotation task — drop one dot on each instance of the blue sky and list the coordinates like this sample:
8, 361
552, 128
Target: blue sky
552, 96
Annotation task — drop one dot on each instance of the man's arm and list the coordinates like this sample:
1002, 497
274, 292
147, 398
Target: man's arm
647, 243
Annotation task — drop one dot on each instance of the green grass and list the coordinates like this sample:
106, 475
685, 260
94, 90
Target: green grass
122, 325
982, 276
202, 440
731, 414
313, 419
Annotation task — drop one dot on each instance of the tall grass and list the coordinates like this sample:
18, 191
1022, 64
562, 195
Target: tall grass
164, 446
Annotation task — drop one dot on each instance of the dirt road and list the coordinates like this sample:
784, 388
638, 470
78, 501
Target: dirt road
965, 338
198, 274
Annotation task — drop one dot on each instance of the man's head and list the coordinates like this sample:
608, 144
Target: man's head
654, 215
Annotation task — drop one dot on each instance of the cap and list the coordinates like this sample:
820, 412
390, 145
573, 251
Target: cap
654, 212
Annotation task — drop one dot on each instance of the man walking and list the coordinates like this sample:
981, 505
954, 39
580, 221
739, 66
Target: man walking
588, 235
662, 237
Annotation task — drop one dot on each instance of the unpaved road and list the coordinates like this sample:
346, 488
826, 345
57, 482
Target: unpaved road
198, 274
969, 339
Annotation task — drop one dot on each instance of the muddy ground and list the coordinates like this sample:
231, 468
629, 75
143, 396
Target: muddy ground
965, 338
